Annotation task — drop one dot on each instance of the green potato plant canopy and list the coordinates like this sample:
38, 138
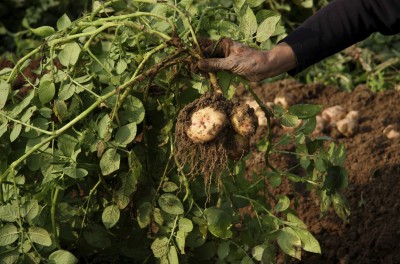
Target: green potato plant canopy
88, 171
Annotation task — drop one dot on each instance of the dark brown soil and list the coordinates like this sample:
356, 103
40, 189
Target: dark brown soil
372, 234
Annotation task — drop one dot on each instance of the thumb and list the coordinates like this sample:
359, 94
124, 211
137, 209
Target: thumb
212, 65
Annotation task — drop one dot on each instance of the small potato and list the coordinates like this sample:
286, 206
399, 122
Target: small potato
243, 120
333, 114
206, 124
284, 100
239, 148
320, 126
390, 132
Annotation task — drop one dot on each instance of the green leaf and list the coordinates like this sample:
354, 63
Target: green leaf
8, 213
173, 255
46, 91
128, 187
283, 204
160, 247
255, 3
103, 129
97, 237
257, 252
60, 110
238, 4
67, 144
21, 106
110, 216
43, 31
63, 22
289, 242
185, 225
248, 23
75, 173
267, 28
218, 222
69, 54
144, 214
246, 260
169, 186
66, 91
171, 204
296, 221
4, 91
8, 234
62, 257
134, 109
10, 257
180, 240
30, 210
110, 161
336, 179
121, 67
341, 206
126, 134
308, 241
223, 250
274, 179
289, 120
15, 132
304, 111
39, 236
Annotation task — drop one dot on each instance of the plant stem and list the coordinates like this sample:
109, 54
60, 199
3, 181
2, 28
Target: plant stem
53, 216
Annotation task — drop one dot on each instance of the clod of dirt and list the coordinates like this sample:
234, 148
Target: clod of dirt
243, 120
391, 132
204, 158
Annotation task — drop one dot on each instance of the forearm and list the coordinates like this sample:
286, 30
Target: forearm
339, 25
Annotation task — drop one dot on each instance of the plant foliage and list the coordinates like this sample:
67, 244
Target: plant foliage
88, 171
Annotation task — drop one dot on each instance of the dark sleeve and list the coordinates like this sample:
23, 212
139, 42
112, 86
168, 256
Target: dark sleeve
340, 24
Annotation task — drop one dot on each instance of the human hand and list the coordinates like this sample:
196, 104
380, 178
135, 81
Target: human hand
252, 64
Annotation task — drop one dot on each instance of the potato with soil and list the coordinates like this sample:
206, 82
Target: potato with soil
243, 120
206, 124
239, 146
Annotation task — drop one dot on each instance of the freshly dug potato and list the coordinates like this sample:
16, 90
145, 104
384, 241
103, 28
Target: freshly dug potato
349, 125
243, 120
391, 132
333, 114
206, 124
239, 147
320, 126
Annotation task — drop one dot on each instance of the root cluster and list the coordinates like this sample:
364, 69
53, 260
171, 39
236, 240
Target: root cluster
210, 158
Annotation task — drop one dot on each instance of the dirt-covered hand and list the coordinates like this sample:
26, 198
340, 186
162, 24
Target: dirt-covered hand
252, 64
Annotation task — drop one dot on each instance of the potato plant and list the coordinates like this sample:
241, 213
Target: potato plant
89, 170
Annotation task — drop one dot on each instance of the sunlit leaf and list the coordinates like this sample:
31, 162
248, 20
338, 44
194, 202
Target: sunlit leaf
43, 31
63, 22
69, 55
110, 216
304, 111
289, 242
248, 23
267, 28
160, 247
4, 90
171, 204
110, 161
8, 234
39, 236
62, 257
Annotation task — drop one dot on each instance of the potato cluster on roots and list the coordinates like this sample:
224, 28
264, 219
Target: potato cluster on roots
205, 137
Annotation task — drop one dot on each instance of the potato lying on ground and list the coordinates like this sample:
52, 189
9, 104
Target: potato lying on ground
285, 100
243, 120
206, 124
349, 125
333, 114
391, 132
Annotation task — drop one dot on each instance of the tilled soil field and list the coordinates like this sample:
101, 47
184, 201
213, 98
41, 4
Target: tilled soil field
372, 234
